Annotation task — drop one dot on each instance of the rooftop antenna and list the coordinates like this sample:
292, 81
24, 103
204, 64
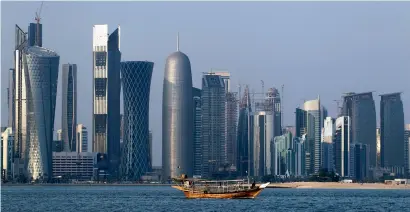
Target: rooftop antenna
178, 42
38, 18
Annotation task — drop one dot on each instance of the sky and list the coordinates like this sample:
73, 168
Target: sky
312, 48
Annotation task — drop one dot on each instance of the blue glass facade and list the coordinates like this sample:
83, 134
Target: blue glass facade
136, 82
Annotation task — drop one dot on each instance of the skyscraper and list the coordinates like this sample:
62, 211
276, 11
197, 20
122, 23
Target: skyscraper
69, 111
378, 146
213, 124
196, 93
392, 131
231, 113
243, 140
327, 144
342, 146
20, 101
136, 82
106, 94
82, 139
177, 141
273, 97
262, 141
11, 98
7, 143
42, 68
359, 161
150, 148
407, 149
314, 123
361, 110
35, 34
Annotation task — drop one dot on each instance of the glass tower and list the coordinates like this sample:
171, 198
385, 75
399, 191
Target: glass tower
69, 110
106, 96
42, 68
136, 82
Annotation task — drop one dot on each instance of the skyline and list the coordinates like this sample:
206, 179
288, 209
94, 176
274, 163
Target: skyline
248, 62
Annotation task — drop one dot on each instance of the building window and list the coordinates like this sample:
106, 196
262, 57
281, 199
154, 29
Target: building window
100, 58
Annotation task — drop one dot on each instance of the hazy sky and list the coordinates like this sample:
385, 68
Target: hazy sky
320, 48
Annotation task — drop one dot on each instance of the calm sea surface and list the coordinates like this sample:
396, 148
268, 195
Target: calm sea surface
164, 198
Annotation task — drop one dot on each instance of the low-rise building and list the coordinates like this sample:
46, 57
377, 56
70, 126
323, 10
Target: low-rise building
74, 165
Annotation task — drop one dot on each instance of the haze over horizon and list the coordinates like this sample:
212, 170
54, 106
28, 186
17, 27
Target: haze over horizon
313, 48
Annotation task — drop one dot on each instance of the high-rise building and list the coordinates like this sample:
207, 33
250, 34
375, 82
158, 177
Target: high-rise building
150, 151
327, 144
69, 111
231, 116
314, 123
279, 150
342, 146
7, 142
122, 127
231, 113
262, 140
359, 161
361, 110
20, 101
35, 34
82, 139
177, 127
299, 156
274, 104
392, 131
196, 94
407, 149
378, 146
11, 98
213, 100
244, 133
42, 68
136, 83
106, 94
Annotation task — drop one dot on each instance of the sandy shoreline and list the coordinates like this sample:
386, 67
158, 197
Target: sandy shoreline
336, 185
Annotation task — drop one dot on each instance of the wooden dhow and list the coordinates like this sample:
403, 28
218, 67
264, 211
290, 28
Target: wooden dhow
222, 189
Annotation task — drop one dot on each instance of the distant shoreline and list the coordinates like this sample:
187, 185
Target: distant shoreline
293, 185
83, 184
336, 185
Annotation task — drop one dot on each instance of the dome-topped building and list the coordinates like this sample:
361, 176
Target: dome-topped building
177, 116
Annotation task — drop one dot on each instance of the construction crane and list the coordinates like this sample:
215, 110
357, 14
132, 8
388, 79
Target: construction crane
38, 18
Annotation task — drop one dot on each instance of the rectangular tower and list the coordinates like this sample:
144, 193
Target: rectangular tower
106, 93
196, 94
69, 110
213, 98
82, 139
342, 146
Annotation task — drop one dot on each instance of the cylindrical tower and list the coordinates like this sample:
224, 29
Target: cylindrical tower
42, 67
136, 83
177, 117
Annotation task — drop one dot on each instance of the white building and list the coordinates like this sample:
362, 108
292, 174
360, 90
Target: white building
82, 139
342, 146
327, 144
77, 165
7, 141
60, 135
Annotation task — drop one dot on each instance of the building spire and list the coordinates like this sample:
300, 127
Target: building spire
178, 42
